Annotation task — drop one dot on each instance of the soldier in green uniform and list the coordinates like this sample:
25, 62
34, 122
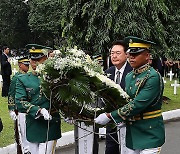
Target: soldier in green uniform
42, 119
142, 114
17, 116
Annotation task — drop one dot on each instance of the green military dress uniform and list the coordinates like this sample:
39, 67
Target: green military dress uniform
30, 100
11, 94
144, 122
12, 89
142, 113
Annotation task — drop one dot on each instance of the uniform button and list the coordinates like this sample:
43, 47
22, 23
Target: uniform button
130, 88
130, 123
150, 126
134, 76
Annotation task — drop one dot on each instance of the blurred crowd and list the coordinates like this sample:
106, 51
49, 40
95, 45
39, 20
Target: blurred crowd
164, 66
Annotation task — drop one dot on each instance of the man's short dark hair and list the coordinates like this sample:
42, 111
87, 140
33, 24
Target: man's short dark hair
120, 42
4, 48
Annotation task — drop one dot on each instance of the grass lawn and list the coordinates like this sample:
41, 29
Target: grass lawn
174, 103
7, 135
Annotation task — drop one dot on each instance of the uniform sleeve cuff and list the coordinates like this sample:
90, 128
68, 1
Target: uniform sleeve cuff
115, 117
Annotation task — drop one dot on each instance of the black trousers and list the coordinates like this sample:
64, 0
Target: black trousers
112, 147
6, 84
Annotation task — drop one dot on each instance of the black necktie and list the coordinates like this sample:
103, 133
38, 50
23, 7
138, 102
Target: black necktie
118, 77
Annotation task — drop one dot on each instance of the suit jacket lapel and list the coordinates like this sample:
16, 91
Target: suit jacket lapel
127, 69
112, 72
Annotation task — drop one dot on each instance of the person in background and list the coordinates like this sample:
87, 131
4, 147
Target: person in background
170, 65
159, 65
117, 73
145, 132
22, 143
42, 119
6, 71
175, 68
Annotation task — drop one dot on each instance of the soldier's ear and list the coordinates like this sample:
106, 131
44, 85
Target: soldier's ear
148, 56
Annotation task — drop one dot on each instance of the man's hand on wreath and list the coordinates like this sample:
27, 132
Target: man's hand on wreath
103, 119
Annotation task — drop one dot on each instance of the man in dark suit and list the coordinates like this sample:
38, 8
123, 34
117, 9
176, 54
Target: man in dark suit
159, 65
117, 73
5, 71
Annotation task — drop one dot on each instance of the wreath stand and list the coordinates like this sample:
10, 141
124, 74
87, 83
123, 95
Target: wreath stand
86, 141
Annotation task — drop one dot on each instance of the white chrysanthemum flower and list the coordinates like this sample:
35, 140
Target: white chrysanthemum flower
91, 73
57, 52
88, 59
77, 60
76, 53
112, 84
40, 68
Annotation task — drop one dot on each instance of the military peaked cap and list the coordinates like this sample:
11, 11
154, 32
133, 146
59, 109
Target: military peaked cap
23, 56
37, 51
98, 57
137, 45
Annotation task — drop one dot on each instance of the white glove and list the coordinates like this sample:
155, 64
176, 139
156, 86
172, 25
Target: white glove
12, 115
102, 119
45, 114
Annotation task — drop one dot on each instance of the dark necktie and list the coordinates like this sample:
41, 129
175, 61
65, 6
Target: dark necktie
118, 77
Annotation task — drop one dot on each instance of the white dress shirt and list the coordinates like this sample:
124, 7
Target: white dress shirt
120, 70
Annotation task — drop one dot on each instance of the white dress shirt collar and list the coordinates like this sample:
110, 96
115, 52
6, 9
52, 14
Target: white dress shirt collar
120, 70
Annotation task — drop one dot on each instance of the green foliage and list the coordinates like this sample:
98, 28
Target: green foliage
93, 25
90, 24
98, 23
13, 23
45, 15
173, 28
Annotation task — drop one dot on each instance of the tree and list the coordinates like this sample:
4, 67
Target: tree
95, 24
173, 28
14, 23
45, 19
92, 25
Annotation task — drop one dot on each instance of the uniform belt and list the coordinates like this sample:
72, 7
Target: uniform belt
148, 115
